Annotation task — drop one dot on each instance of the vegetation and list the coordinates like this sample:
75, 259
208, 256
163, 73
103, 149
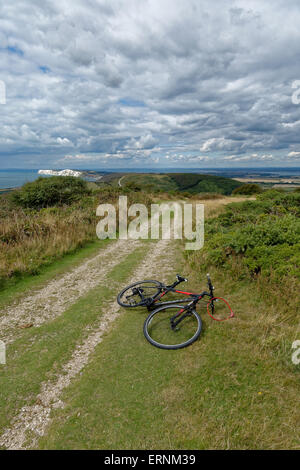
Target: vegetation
149, 182
261, 236
174, 183
205, 196
31, 238
51, 217
46, 192
195, 183
132, 186
248, 189
35, 231
256, 244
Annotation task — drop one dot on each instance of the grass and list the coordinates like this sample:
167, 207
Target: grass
235, 388
17, 287
30, 239
228, 390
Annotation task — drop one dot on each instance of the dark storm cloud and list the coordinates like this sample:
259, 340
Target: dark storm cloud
93, 83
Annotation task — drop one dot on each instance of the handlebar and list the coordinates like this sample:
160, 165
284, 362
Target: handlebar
180, 278
183, 279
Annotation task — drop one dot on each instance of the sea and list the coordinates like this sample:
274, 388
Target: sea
14, 178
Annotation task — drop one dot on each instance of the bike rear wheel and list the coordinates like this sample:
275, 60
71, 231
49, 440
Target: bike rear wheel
159, 332
139, 293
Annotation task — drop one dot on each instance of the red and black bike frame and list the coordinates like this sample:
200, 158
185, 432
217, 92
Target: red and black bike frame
192, 298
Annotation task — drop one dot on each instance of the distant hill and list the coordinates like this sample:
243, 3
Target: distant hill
184, 182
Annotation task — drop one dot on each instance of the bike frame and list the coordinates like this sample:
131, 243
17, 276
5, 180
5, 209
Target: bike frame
193, 298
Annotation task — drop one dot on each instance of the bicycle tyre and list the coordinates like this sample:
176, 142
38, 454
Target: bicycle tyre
162, 345
155, 290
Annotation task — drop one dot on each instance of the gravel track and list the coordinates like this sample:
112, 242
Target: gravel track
52, 300
32, 420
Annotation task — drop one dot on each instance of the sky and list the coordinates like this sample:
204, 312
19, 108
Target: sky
149, 83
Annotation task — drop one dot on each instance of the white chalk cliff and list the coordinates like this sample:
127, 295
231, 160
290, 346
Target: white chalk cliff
60, 173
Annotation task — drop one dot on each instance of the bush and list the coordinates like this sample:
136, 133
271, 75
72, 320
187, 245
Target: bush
132, 186
46, 192
248, 189
263, 236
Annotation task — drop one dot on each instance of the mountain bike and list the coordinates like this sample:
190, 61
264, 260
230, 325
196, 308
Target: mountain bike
172, 325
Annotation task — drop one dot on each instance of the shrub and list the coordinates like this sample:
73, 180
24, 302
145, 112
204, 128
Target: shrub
263, 236
46, 192
132, 186
248, 189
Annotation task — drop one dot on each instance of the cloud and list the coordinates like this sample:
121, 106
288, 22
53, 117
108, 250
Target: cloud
154, 82
295, 155
146, 141
219, 144
254, 157
63, 141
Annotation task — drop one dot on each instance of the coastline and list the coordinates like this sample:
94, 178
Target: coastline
284, 177
8, 190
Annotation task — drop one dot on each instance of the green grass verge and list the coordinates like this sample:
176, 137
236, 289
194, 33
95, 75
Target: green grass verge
229, 390
20, 286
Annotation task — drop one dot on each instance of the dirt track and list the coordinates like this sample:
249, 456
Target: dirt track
35, 418
53, 299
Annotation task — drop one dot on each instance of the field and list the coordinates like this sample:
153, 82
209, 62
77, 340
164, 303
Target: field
288, 184
79, 373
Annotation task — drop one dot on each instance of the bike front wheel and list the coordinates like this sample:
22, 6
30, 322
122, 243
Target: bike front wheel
172, 327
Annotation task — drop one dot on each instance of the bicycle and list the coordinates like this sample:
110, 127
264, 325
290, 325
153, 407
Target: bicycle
171, 325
